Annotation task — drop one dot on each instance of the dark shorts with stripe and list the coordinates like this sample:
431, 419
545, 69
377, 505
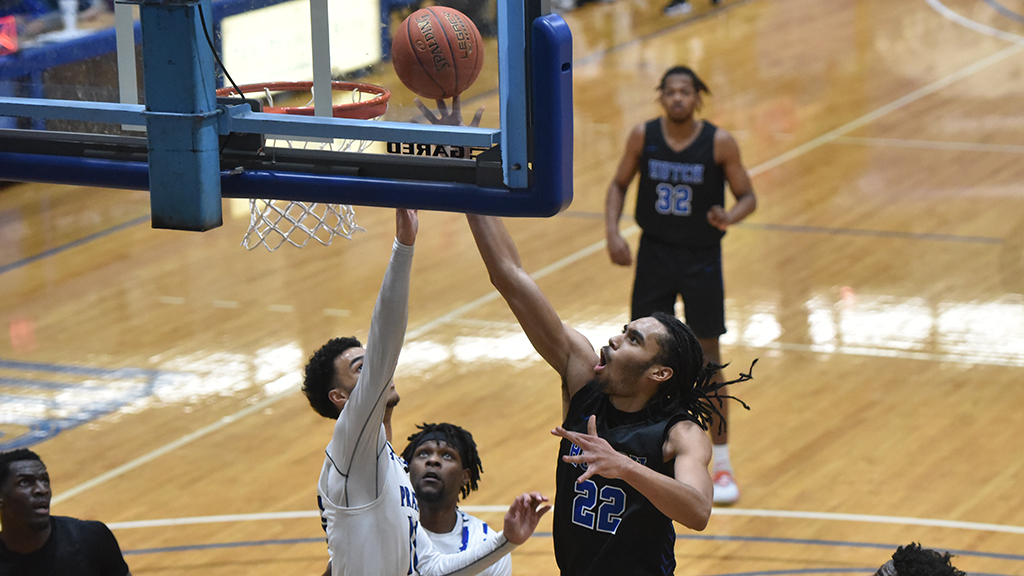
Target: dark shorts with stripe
665, 271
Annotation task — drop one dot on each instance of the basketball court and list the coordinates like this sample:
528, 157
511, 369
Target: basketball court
880, 284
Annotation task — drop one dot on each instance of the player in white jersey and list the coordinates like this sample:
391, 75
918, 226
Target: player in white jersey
367, 503
444, 465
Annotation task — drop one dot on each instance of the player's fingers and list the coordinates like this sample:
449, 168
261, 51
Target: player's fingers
592, 425
477, 117
559, 431
442, 107
586, 474
427, 113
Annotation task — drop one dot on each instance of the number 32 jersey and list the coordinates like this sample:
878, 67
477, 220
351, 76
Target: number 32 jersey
605, 526
677, 189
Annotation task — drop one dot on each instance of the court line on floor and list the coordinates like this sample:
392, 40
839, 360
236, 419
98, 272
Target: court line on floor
558, 265
931, 144
1003, 10
229, 419
952, 16
745, 512
73, 244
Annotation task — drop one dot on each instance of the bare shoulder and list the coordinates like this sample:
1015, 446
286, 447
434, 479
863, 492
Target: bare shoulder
723, 136
687, 439
637, 134
726, 147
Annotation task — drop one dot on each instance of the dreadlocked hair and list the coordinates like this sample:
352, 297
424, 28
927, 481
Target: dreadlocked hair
912, 560
455, 436
692, 387
318, 379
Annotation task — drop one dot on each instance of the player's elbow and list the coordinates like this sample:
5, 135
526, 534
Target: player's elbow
751, 200
697, 517
699, 521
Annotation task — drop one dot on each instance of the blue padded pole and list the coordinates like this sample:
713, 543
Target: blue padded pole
512, 91
184, 163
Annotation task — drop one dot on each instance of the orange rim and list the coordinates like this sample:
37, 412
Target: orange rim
364, 110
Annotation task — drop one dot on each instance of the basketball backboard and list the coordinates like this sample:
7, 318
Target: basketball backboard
157, 124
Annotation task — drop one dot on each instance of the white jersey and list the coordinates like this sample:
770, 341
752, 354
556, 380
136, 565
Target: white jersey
367, 503
468, 531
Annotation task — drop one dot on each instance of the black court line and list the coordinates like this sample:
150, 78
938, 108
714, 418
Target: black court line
74, 244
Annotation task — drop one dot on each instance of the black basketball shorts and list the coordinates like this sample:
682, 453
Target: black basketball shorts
665, 271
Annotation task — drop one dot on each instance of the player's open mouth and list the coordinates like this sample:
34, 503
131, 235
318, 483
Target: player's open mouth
603, 361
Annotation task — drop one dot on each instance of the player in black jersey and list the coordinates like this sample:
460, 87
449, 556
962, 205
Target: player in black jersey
684, 163
34, 542
634, 453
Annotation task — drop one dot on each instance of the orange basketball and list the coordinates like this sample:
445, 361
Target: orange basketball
437, 52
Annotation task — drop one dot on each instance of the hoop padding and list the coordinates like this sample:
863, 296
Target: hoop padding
274, 223
365, 110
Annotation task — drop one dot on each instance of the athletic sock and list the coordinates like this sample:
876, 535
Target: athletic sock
720, 453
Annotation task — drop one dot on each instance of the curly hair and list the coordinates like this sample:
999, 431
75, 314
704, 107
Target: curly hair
319, 375
454, 436
913, 560
691, 387
19, 455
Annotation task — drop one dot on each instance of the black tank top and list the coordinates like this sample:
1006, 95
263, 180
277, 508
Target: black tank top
603, 526
678, 188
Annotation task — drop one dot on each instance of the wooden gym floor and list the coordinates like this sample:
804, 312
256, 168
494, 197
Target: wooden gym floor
880, 283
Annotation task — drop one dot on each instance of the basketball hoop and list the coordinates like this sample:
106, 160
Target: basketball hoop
273, 223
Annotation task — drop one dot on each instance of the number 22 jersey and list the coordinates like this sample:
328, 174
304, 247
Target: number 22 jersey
606, 526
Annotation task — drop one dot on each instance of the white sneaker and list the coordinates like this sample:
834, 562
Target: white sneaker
726, 490
678, 8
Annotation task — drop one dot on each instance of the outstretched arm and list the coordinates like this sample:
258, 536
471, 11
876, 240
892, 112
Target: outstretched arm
684, 497
520, 522
727, 155
359, 438
562, 347
618, 248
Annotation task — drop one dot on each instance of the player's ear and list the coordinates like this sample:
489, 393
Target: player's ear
660, 372
337, 397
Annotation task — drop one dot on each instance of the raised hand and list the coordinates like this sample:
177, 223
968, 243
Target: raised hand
523, 515
407, 224
452, 117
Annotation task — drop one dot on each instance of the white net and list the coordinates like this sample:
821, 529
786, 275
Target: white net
275, 223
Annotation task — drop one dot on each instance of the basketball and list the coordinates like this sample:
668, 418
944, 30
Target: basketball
437, 52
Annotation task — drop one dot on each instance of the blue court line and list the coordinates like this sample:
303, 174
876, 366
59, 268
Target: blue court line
74, 244
830, 231
861, 571
874, 233
1005, 11
44, 385
81, 370
756, 539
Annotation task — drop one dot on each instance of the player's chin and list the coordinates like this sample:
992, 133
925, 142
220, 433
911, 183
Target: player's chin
393, 400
